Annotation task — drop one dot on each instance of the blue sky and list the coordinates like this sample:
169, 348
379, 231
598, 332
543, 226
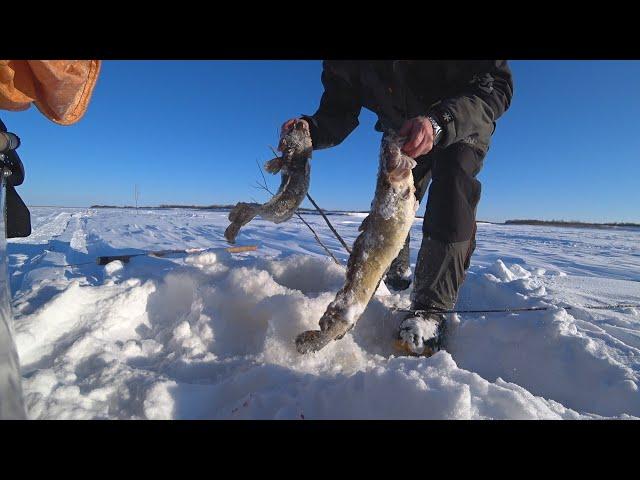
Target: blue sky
190, 132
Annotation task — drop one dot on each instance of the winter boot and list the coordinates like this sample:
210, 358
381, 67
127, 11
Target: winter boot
421, 334
398, 281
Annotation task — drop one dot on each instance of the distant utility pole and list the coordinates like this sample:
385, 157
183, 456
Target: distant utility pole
136, 195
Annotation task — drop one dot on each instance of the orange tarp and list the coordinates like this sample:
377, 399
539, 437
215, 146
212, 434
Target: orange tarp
61, 89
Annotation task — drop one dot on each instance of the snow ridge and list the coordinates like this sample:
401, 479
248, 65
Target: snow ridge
211, 335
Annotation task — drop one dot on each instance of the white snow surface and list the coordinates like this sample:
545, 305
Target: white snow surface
210, 335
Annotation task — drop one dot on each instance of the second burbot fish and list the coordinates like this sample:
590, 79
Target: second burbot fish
295, 171
383, 234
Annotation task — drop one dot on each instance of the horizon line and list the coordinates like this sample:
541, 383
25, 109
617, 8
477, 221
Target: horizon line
203, 207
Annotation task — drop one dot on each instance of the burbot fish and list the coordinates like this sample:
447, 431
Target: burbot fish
295, 170
382, 236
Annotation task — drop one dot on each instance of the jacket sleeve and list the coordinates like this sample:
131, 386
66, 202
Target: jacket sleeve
483, 100
337, 115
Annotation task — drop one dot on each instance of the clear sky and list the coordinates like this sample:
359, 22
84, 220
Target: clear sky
190, 132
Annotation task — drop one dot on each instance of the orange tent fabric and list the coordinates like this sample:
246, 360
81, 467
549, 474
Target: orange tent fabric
60, 89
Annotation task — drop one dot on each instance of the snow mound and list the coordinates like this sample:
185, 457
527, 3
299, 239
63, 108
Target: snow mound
218, 344
211, 335
548, 352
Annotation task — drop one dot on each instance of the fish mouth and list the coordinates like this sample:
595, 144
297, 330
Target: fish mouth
396, 164
295, 134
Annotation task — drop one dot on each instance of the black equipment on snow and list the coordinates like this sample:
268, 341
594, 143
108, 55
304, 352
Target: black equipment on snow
18, 217
104, 260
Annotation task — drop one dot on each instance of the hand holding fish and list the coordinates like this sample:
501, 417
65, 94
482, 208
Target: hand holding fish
420, 136
295, 170
382, 235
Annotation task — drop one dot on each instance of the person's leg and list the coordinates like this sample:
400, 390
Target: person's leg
399, 275
447, 244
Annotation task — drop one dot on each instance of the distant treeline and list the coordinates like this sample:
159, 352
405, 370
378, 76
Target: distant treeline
226, 208
196, 207
564, 223
312, 211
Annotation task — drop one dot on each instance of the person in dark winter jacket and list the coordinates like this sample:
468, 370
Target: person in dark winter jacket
447, 109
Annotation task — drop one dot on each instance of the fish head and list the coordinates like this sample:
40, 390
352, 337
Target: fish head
396, 165
296, 140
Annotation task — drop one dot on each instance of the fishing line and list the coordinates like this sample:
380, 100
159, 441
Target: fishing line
523, 309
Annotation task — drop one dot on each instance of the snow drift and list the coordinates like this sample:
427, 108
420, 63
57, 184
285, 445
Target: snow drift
211, 335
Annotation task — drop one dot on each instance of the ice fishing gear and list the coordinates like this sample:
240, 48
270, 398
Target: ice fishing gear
8, 141
104, 260
266, 188
18, 217
63, 92
326, 219
331, 227
11, 402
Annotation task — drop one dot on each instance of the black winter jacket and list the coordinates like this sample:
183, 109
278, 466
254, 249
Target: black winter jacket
466, 97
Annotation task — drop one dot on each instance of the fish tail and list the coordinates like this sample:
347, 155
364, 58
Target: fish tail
239, 216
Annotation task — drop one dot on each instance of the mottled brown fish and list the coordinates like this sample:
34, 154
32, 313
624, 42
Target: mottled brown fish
295, 170
383, 234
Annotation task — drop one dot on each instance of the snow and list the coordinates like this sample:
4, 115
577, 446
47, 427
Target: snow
210, 335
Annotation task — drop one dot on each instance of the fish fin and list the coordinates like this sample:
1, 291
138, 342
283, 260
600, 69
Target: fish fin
274, 166
311, 341
364, 224
402, 169
406, 193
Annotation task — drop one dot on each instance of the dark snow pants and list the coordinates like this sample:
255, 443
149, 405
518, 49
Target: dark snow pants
449, 225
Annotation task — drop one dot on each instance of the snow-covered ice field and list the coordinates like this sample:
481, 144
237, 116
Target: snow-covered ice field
211, 335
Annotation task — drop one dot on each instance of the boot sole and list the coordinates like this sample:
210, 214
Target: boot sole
402, 347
